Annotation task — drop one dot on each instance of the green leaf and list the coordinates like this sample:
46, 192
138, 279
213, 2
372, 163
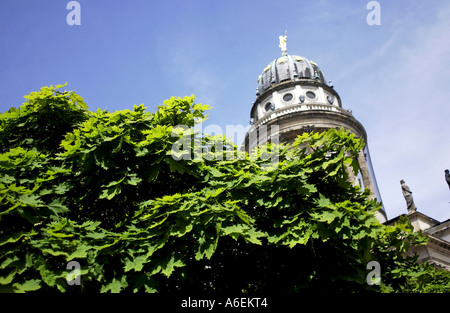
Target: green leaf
79, 253
30, 285
115, 286
62, 188
90, 225
57, 207
7, 279
58, 235
12, 258
6, 179
207, 248
133, 180
306, 189
234, 230
31, 200
169, 267
326, 216
253, 236
110, 192
54, 252
15, 237
323, 202
95, 235
108, 245
136, 264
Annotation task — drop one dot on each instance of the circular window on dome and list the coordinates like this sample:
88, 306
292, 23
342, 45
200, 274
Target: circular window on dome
310, 95
269, 106
288, 97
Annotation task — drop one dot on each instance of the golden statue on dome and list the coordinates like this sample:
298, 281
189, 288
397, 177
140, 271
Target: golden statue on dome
282, 44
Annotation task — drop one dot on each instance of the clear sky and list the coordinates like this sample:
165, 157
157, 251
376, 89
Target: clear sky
395, 76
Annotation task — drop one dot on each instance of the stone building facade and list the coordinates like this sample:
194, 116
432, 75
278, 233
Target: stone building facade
293, 97
437, 250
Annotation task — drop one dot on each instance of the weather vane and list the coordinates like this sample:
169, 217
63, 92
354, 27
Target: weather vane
283, 43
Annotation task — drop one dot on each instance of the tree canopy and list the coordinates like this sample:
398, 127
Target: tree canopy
113, 192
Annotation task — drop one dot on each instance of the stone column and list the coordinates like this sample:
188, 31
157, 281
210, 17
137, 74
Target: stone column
352, 178
367, 181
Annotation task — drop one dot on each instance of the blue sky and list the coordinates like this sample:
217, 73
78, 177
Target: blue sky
395, 77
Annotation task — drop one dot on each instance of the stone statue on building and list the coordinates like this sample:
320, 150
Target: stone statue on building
447, 177
283, 43
407, 193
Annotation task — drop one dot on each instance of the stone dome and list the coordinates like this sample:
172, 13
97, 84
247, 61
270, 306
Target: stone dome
288, 67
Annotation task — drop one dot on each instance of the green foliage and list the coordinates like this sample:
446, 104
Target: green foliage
107, 190
431, 280
43, 120
402, 273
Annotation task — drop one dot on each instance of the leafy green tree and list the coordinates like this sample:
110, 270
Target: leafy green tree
402, 271
114, 192
43, 120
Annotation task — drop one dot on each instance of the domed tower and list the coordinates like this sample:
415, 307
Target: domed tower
293, 95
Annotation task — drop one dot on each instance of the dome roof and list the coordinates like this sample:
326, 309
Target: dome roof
288, 67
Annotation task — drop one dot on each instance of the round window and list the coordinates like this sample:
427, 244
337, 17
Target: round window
310, 95
288, 97
269, 106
